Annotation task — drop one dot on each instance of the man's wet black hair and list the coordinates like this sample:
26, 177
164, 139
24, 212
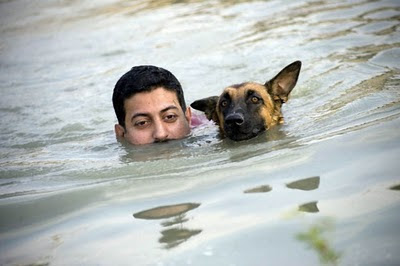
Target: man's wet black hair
144, 79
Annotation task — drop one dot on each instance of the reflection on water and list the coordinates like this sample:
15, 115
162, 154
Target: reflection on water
395, 187
310, 183
173, 236
61, 167
168, 211
316, 239
179, 219
309, 207
306, 184
260, 189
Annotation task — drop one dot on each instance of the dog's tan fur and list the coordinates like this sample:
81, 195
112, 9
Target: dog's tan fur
270, 110
267, 100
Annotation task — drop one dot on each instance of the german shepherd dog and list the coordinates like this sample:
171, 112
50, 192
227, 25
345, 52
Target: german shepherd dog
245, 110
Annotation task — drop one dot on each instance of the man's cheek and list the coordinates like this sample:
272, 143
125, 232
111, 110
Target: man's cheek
181, 130
135, 137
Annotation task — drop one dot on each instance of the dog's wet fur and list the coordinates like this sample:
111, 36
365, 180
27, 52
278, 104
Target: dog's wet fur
245, 110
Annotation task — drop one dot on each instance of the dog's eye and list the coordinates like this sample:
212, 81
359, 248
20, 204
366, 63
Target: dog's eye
255, 99
224, 103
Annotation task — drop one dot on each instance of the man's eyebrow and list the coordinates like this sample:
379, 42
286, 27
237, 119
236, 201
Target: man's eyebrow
168, 108
140, 114
162, 111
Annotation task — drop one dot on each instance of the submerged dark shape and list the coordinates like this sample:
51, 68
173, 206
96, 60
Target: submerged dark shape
167, 211
309, 207
310, 183
260, 189
179, 219
174, 236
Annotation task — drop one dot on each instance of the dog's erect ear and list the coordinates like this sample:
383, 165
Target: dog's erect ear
208, 106
282, 84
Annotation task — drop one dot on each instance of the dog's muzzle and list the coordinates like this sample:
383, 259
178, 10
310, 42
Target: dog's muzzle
238, 127
234, 119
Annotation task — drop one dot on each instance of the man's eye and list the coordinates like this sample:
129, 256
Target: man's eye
142, 123
171, 118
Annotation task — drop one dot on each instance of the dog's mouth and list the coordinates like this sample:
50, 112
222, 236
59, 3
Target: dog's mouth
239, 133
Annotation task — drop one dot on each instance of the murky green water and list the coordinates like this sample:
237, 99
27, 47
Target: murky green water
322, 189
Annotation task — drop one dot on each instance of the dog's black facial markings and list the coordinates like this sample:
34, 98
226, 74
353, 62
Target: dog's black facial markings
254, 107
254, 98
225, 101
241, 116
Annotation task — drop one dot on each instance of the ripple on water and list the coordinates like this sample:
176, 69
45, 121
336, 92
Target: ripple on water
61, 167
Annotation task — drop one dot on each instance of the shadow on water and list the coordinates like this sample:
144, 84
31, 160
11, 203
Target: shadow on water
395, 187
310, 183
260, 189
310, 207
176, 234
306, 184
174, 216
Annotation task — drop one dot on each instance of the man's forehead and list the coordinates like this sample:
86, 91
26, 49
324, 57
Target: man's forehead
152, 101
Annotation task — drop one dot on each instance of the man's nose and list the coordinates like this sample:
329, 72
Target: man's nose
160, 132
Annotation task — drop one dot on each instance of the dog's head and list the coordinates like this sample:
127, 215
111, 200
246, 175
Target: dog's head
244, 110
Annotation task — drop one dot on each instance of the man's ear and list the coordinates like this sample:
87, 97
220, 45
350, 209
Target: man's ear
188, 115
282, 84
119, 131
208, 106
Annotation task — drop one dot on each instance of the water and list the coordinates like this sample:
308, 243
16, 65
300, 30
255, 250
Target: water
70, 194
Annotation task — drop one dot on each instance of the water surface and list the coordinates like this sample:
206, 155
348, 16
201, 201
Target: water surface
71, 194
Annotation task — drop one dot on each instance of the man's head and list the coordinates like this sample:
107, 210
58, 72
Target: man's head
150, 106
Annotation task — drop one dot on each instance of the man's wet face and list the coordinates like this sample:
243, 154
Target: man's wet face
154, 116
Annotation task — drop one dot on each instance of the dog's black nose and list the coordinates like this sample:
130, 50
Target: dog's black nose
234, 119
